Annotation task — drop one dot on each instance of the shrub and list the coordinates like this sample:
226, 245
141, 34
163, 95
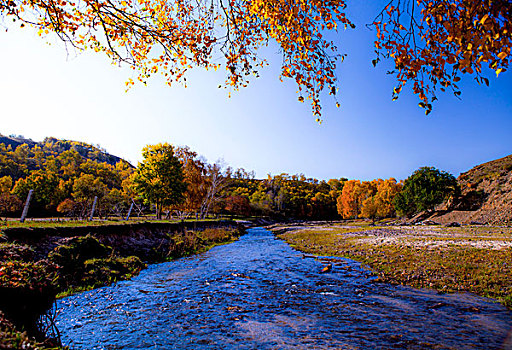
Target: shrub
13, 251
77, 250
27, 290
99, 271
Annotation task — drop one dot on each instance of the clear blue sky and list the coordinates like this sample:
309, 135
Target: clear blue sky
45, 91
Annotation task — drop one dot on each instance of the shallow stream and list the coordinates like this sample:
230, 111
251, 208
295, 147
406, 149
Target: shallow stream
259, 293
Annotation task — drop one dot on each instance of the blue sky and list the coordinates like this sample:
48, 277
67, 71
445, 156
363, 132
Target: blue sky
47, 91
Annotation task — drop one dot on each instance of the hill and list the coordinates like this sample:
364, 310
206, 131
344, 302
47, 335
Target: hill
64, 176
55, 147
486, 195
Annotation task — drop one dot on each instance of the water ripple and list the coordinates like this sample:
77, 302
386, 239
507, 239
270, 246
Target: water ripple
259, 293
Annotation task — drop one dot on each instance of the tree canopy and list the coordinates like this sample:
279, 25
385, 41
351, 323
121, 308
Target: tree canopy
431, 43
159, 177
424, 189
368, 199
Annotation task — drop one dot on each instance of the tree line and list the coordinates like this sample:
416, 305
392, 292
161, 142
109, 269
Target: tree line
174, 181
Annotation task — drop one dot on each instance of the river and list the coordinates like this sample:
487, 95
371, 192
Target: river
259, 293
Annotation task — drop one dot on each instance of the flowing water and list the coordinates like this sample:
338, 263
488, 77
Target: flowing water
259, 293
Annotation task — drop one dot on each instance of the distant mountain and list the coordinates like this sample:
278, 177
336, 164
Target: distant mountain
486, 195
56, 146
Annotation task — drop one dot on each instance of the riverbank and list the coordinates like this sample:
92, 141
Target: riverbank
39, 264
476, 259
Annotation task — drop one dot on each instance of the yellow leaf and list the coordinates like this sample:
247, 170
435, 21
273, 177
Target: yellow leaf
498, 71
502, 55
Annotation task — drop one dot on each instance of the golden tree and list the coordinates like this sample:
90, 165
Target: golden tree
194, 173
380, 203
348, 203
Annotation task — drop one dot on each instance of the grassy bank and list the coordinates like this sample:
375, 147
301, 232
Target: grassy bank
472, 259
104, 268
7, 223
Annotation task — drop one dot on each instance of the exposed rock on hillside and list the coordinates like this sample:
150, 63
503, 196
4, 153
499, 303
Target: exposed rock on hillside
486, 195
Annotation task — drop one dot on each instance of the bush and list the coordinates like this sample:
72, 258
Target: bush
77, 251
13, 251
101, 271
27, 290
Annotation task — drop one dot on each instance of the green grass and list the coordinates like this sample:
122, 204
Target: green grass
447, 267
56, 222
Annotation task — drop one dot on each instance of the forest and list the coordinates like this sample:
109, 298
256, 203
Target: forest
176, 182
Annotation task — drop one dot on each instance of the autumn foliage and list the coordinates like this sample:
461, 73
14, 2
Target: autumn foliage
431, 43
368, 199
171, 37
179, 183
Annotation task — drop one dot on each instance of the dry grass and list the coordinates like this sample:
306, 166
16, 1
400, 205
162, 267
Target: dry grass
473, 259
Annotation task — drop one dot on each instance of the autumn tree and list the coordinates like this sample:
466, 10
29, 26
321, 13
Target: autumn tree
352, 197
261, 201
10, 164
424, 189
380, 204
238, 205
159, 177
195, 176
68, 207
323, 206
431, 43
85, 188
9, 203
387, 190
170, 37
5, 184
44, 184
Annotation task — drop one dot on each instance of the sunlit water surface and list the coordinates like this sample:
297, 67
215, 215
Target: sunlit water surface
259, 293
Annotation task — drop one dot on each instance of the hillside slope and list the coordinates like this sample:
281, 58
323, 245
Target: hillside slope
486, 195
53, 146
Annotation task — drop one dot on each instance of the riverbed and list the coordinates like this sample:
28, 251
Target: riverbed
259, 293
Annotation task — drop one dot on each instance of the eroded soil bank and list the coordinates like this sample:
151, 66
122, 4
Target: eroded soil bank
476, 259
